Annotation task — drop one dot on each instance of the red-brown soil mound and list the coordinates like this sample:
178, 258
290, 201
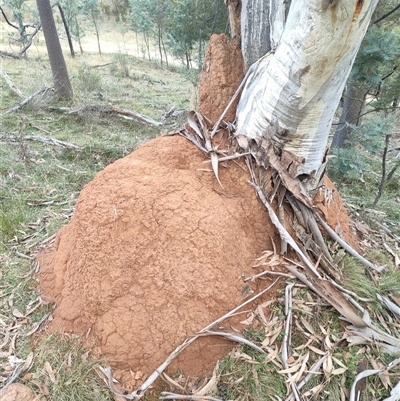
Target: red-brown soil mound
222, 73
155, 251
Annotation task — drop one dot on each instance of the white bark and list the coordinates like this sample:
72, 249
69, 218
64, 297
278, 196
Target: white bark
291, 97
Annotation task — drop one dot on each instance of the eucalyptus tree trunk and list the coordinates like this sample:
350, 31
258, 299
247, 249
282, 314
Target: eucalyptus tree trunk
62, 84
291, 94
353, 108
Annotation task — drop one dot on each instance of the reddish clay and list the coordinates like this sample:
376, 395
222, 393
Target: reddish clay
222, 73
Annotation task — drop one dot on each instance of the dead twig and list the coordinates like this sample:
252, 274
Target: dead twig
109, 110
41, 138
346, 246
11, 85
28, 99
172, 396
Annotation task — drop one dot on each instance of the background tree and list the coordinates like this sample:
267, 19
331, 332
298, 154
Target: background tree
191, 25
141, 21
62, 84
17, 10
91, 9
67, 31
73, 12
375, 75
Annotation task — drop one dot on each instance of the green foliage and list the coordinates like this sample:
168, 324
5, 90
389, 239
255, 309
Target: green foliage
18, 10
256, 381
375, 67
366, 141
120, 65
346, 165
73, 10
183, 26
89, 79
121, 10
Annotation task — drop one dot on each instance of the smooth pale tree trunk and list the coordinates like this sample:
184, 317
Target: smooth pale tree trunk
353, 108
291, 95
62, 84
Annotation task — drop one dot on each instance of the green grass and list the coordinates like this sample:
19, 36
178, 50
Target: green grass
73, 370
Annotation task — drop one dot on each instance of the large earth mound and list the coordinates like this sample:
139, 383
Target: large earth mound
155, 251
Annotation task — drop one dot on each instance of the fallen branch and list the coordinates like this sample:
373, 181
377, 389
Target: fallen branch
346, 246
28, 99
109, 110
366, 373
172, 396
11, 84
235, 337
100, 65
41, 138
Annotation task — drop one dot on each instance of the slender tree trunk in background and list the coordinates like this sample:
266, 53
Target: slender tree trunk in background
96, 28
62, 84
234, 11
71, 47
79, 36
146, 41
159, 44
165, 51
353, 108
291, 95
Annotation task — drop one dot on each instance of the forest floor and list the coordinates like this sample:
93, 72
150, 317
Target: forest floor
47, 156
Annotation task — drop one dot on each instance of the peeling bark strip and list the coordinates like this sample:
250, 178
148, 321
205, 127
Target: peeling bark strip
292, 98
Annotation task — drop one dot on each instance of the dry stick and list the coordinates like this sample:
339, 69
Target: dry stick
226, 158
346, 246
28, 99
267, 272
172, 396
107, 109
313, 227
235, 337
154, 376
287, 336
11, 84
44, 139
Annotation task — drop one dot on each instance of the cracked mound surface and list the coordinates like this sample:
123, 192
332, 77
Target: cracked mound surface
155, 251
